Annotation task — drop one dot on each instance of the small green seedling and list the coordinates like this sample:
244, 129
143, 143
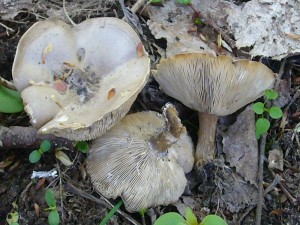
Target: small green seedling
13, 217
36, 155
53, 218
82, 146
10, 101
173, 218
262, 124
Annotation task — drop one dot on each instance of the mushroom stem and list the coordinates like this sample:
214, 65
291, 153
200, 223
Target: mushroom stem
172, 131
205, 150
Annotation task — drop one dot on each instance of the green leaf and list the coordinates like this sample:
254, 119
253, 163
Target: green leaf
262, 126
155, 1
198, 21
82, 146
213, 220
45, 145
271, 94
10, 101
35, 156
258, 107
50, 198
184, 2
111, 213
170, 218
275, 112
190, 217
53, 218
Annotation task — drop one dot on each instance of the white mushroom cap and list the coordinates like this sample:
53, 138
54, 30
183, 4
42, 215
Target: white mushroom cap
86, 77
215, 85
125, 162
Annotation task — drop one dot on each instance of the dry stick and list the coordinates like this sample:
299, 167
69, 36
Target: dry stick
271, 187
260, 179
262, 156
71, 188
16, 137
67, 15
61, 193
7, 84
138, 5
284, 189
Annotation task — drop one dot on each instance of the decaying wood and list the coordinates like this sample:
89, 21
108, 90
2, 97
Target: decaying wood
16, 137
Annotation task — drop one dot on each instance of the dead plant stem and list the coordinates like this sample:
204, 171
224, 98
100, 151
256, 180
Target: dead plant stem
260, 179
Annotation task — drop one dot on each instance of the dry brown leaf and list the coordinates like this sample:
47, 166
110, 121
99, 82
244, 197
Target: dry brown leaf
240, 145
61, 156
37, 209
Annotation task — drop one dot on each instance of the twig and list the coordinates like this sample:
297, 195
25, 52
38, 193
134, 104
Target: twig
277, 180
7, 84
103, 202
16, 137
67, 15
295, 97
61, 192
7, 28
260, 179
284, 189
138, 5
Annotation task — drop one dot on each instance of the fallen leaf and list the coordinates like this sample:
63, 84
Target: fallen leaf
240, 145
61, 156
83, 171
219, 41
111, 93
69, 64
6, 162
36, 209
40, 183
275, 159
277, 212
292, 36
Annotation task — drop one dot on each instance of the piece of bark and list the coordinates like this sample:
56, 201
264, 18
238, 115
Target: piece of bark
241, 147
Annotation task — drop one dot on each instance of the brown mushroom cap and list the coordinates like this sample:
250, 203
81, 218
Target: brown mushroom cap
125, 162
77, 82
214, 86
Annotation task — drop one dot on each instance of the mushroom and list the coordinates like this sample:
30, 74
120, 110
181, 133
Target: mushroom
143, 159
78, 82
213, 86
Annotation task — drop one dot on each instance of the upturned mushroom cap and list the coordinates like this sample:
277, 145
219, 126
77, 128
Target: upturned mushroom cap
215, 85
125, 162
77, 82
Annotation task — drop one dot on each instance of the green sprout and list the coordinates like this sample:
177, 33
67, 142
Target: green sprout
82, 146
263, 124
36, 155
53, 218
13, 217
173, 218
10, 101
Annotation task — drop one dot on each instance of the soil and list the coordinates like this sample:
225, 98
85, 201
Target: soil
19, 193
